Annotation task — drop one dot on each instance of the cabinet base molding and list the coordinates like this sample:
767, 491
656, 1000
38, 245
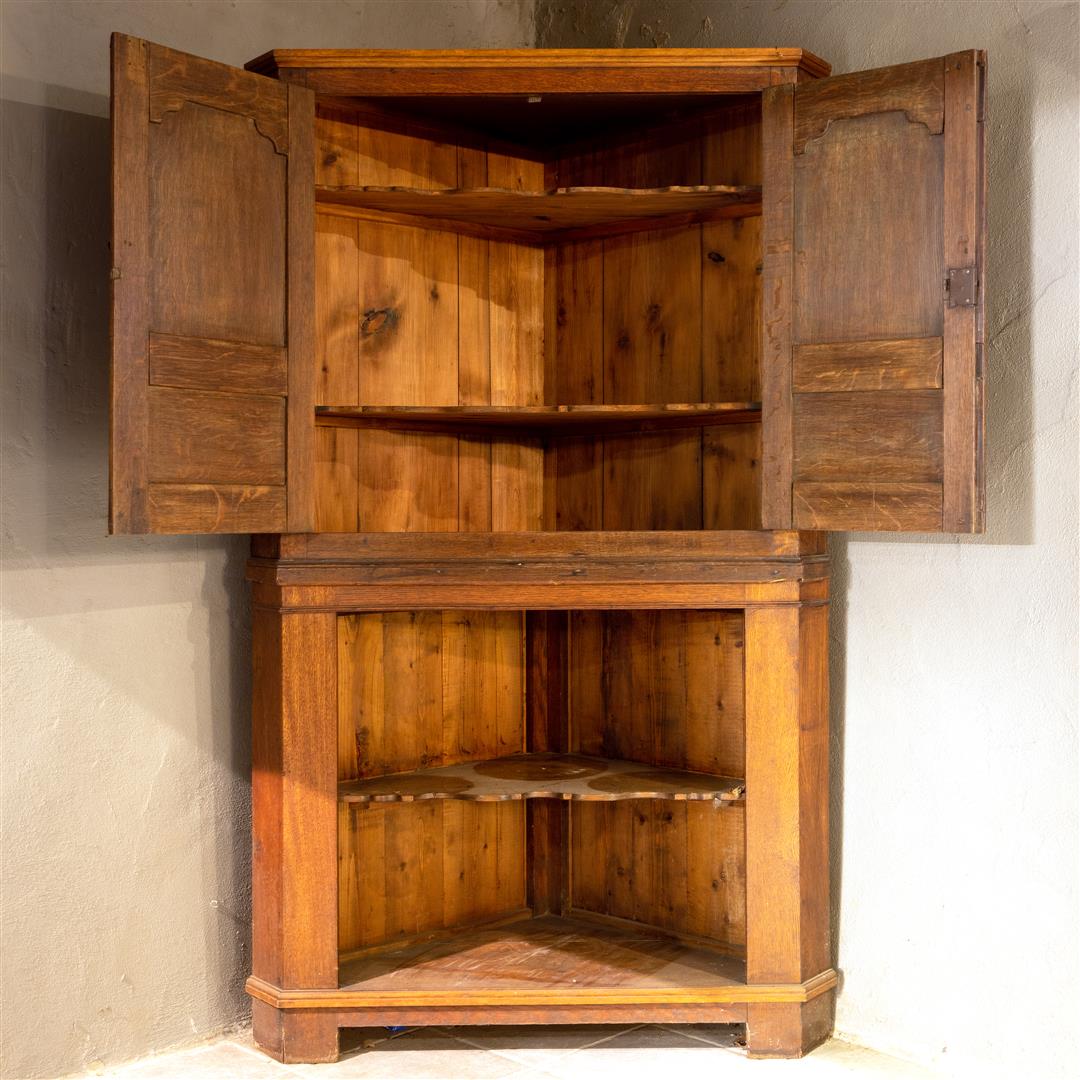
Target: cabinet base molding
789, 1030
782, 1020
406, 1001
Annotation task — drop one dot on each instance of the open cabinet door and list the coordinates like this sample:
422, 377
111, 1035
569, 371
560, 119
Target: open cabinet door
212, 422
873, 234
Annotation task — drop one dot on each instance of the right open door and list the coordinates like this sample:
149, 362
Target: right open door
872, 382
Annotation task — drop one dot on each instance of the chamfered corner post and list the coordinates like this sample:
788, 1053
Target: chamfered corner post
294, 827
787, 825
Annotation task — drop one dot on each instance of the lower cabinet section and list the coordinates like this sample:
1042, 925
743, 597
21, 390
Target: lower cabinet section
553, 815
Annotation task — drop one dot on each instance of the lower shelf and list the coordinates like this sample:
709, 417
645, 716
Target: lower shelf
543, 970
560, 954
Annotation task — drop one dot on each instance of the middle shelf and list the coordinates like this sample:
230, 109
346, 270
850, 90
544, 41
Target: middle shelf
548, 420
545, 776
538, 217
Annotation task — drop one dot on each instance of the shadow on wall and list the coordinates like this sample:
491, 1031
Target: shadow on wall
56, 549
1008, 352
1012, 106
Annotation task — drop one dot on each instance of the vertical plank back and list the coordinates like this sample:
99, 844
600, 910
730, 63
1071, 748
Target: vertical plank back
664, 688
439, 319
419, 690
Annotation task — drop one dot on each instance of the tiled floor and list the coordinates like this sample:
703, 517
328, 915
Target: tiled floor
551, 1053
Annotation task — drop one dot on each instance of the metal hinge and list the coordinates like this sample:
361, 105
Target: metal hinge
961, 286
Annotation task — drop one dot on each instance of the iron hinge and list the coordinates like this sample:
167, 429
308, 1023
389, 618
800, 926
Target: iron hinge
961, 286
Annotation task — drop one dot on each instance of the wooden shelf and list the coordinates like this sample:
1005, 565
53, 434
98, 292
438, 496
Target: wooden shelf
540, 420
539, 217
544, 776
566, 956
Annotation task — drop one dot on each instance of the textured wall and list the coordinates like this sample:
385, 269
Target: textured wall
125, 660
125, 707
955, 659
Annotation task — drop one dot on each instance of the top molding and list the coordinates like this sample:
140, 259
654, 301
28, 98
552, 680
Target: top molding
566, 71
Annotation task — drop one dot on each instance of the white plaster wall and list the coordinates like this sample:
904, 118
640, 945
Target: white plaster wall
125, 742
125, 661
955, 659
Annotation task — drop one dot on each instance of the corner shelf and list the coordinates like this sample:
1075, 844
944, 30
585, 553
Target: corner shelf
545, 776
549, 955
540, 420
541, 217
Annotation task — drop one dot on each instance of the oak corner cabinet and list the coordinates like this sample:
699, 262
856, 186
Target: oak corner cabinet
539, 378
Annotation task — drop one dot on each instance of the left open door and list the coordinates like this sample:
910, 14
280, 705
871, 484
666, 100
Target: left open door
212, 398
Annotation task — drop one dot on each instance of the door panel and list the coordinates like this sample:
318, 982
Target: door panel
198, 436
873, 384
877, 181
213, 176
893, 436
213, 377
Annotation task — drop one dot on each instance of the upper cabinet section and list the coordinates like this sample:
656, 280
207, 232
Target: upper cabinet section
213, 360
545, 290
873, 330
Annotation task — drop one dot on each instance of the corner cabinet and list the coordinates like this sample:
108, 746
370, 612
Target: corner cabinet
540, 376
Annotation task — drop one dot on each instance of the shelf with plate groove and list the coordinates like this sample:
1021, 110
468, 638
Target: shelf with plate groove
541, 217
508, 421
574, 777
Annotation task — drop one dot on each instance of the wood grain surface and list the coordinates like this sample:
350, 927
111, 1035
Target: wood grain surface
557, 214
509, 421
544, 776
212, 426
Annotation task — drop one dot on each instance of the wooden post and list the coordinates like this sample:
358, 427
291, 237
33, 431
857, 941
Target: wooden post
548, 821
787, 822
294, 827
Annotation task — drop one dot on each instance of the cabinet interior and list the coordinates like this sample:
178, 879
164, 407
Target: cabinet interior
424, 882
445, 340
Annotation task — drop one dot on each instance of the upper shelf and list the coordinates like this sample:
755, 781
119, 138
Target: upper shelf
545, 776
540, 420
541, 217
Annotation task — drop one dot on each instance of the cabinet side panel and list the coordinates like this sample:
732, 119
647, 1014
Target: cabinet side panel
652, 353
575, 349
337, 324
678, 866
266, 823
419, 690
474, 355
294, 883
787, 778
436, 319
659, 317
777, 280
516, 290
664, 688
408, 339
731, 288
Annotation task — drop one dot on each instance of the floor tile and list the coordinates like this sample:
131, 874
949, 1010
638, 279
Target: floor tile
216, 1061
417, 1055
647, 1053
353, 1040
538, 1045
642, 1052
840, 1059
729, 1035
